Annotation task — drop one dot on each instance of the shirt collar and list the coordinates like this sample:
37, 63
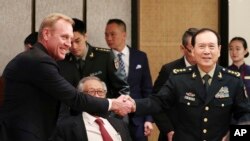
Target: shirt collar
125, 51
211, 73
89, 118
186, 62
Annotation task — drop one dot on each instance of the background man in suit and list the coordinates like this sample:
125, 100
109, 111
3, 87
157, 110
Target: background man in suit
83, 126
162, 120
136, 69
34, 88
203, 95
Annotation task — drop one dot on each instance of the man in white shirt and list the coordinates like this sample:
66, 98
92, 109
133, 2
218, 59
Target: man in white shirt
83, 127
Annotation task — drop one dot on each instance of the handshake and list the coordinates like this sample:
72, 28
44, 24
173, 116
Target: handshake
123, 105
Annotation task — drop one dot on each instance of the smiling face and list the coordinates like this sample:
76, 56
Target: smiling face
57, 39
206, 50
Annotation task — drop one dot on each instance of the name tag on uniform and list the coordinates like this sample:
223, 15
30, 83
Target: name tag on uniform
189, 96
246, 77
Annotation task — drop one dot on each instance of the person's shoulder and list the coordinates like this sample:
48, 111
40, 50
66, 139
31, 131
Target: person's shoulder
178, 63
101, 50
180, 71
230, 72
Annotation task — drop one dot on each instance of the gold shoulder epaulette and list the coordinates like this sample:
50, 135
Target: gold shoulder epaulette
102, 49
182, 70
231, 72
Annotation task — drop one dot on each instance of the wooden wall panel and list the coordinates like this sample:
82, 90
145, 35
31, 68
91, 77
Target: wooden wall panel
15, 25
100, 12
72, 8
162, 23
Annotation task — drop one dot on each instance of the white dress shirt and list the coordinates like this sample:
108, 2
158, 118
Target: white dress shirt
92, 128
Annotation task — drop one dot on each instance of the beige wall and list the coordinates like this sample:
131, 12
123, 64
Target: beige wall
15, 24
100, 12
162, 24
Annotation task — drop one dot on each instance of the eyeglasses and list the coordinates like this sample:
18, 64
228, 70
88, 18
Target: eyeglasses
96, 92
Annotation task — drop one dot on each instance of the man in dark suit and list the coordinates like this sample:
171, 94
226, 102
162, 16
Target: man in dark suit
83, 126
162, 120
136, 69
203, 95
34, 88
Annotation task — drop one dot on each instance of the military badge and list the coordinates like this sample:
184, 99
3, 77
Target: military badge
189, 96
193, 75
222, 93
91, 55
116, 62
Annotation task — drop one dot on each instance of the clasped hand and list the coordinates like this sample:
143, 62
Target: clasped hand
123, 105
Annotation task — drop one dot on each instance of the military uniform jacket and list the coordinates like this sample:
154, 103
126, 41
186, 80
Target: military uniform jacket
199, 116
99, 62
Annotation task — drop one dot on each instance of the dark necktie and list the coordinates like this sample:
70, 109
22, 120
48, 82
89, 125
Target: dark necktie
206, 77
80, 64
121, 64
104, 132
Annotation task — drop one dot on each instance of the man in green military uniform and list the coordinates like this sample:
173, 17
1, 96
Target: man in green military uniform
86, 60
205, 97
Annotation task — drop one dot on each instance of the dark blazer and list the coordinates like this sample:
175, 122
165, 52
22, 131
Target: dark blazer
99, 62
33, 91
162, 119
140, 82
196, 114
73, 129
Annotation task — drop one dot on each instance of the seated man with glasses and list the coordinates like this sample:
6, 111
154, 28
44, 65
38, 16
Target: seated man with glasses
84, 126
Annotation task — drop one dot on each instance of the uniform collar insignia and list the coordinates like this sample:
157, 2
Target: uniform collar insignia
193, 75
220, 75
91, 55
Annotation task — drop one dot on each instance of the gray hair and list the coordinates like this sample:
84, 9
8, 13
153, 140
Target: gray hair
81, 83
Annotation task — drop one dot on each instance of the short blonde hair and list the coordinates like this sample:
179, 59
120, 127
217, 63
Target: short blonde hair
51, 19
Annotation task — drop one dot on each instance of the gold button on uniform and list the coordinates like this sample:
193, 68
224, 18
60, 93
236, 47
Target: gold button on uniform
205, 119
204, 131
188, 103
222, 105
206, 108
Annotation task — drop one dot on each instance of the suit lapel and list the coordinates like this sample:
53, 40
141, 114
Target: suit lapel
79, 128
215, 84
131, 63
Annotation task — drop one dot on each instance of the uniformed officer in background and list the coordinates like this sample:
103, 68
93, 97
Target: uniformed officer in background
85, 60
202, 112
